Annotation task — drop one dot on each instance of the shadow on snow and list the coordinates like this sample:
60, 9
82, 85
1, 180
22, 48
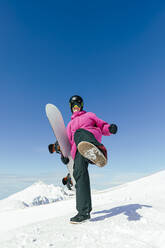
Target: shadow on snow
129, 210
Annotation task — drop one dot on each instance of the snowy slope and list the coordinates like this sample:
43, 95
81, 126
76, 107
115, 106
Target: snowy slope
130, 215
37, 194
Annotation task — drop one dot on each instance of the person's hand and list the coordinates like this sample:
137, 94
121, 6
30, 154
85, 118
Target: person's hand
65, 160
113, 128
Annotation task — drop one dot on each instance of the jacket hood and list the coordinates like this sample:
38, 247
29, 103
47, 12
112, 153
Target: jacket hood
75, 114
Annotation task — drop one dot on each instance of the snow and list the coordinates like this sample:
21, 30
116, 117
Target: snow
130, 215
38, 193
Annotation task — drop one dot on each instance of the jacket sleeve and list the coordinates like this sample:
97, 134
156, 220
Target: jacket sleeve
104, 126
69, 134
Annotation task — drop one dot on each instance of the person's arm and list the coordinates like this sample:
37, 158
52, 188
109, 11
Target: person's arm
104, 126
106, 129
69, 133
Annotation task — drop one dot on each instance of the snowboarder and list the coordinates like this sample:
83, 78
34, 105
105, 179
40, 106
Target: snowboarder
85, 131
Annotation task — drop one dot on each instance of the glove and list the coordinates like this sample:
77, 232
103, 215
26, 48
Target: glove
51, 148
113, 128
65, 160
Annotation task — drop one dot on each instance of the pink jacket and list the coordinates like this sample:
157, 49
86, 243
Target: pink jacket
88, 121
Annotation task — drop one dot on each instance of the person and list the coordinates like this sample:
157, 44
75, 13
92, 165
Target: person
85, 128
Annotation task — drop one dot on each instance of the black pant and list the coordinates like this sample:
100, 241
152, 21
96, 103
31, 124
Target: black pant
80, 173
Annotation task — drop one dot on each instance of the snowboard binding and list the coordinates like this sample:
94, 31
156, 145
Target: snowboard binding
54, 148
67, 181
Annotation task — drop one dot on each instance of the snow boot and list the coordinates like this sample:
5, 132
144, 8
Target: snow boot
96, 154
78, 219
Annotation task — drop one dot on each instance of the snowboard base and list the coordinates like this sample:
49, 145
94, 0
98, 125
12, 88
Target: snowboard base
57, 123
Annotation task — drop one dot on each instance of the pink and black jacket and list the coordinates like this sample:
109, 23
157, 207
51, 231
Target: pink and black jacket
88, 121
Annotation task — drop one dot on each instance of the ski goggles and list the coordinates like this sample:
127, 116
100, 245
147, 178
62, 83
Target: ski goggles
79, 104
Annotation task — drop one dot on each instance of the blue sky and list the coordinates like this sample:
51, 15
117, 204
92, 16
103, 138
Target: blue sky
111, 53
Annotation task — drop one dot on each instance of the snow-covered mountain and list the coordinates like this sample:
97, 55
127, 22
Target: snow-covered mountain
130, 215
37, 194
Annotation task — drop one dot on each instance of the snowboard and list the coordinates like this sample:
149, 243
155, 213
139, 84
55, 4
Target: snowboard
57, 123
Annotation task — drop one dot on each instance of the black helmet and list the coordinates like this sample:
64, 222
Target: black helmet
76, 100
